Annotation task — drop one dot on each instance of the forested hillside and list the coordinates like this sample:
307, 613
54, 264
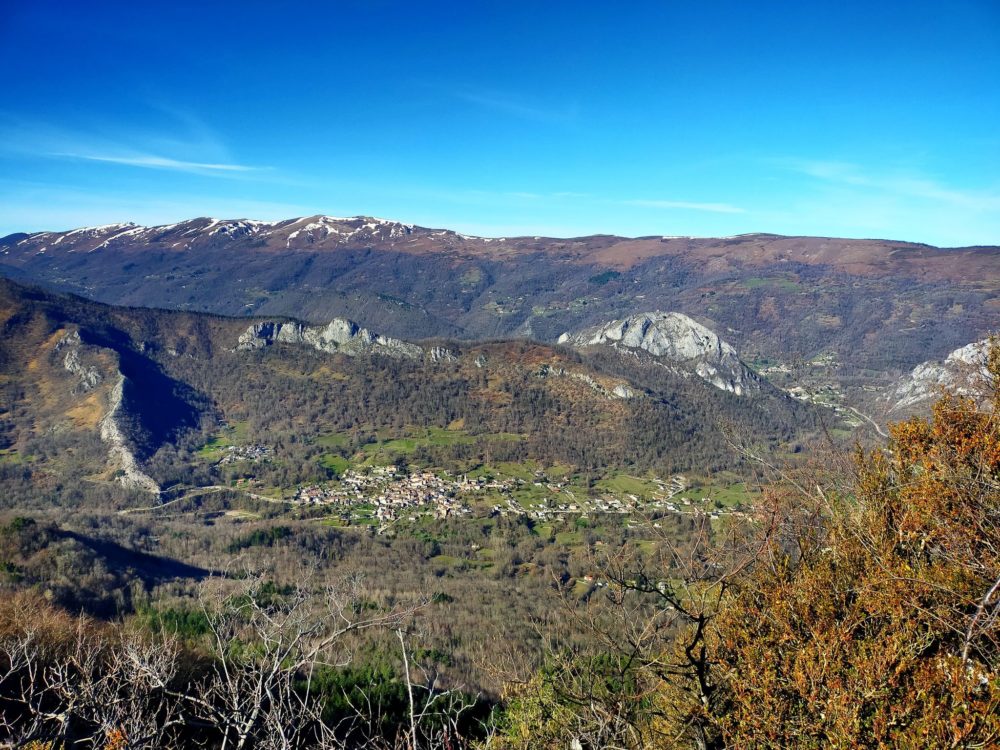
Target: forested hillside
857, 601
183, 378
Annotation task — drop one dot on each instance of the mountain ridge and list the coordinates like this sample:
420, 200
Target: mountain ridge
875, 305
324, 230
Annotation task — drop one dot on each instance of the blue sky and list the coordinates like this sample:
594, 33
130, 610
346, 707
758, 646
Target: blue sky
502, 118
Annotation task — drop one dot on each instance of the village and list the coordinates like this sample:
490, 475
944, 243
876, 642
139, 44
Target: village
382, 495
237, 453
389, 492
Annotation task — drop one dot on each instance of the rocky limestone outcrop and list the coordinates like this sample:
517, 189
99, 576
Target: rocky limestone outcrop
674, 338
74, 354
338, 336
611, 390
963, 372
618, 390
89, 377
131, 475
440, 354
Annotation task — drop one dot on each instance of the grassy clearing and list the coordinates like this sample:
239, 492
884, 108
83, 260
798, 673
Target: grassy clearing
240, 514
432, 436
334, 440
529, 494
447, 560
646, 546
582, 588
444, 436
625, 484
727, 495
559, 471
569, 538
387, 447
841, 433
11, 456
544, 531
234, 434
507, 470
778, 282
335, 521
337, 464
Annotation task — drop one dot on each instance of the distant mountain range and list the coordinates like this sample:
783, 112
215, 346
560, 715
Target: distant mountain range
809, 313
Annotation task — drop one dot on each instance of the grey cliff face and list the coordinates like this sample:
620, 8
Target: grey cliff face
617, 390
338, 336
89, 376
75, 355
963, 371
676, 339
130, 473
440, 354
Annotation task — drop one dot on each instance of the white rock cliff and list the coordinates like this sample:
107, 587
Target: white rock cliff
963, 372
675, 338
338, 336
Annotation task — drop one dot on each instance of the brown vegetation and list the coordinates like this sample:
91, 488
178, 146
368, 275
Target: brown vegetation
867, 615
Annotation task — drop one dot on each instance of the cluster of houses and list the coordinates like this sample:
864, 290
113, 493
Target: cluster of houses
665, 499
236, 453
385, 494
389, 492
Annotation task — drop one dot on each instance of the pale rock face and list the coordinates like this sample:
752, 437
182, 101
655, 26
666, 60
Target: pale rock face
963, 372
339, 332
622, 391
89, 377
257, 336
616, 391
289, 333
132, 475
678, 339
440, 354
339, 335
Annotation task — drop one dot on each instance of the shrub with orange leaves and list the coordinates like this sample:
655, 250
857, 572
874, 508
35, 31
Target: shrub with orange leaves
116, 740
881, 626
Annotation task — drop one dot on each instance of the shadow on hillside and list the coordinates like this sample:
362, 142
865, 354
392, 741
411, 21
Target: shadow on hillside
150, 569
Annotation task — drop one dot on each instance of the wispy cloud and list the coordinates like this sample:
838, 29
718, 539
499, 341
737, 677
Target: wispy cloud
847, 199
151, 161
717, 208
518, 106
901, 184
182, 144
